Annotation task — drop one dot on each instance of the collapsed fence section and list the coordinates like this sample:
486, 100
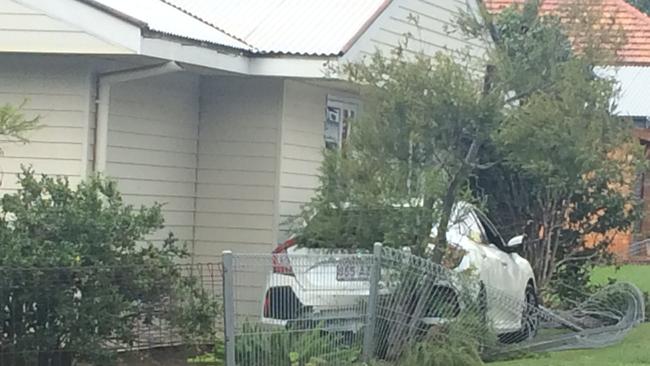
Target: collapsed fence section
344, 308
97, 314
340, 308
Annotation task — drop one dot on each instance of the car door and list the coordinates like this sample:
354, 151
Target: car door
465, 232
504, 278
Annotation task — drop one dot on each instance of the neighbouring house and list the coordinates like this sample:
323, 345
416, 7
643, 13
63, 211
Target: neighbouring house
632, 72
220, 109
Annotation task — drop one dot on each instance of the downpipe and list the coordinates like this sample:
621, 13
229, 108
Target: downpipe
104, 83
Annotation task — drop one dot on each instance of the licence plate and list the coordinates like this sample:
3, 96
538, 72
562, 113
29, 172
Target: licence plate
352, 270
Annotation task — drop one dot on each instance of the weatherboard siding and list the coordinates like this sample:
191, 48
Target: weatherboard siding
54, 88
302, 146
428, 23
152, 146
23, 29
237, 166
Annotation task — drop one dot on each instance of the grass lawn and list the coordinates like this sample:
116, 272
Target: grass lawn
634, 350
637, 274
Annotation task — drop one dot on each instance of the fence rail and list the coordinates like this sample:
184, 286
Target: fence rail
639, 250
315, 308
52, 316
341, 309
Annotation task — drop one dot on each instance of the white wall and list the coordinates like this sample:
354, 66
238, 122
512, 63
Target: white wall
56, 88
231, 157
28, 30
152, 146
237, 169
434, 30
302, 145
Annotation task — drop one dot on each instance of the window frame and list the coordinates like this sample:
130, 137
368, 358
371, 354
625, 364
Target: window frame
343, 105
486, 224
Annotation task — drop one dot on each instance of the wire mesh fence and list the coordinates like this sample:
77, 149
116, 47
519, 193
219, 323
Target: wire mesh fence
639, 249
95, 314
315, 308
336, 308
290, 312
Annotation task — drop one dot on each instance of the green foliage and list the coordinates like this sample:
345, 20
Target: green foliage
536, 139
452, 346
409, 157
565, 164
14, 124
560, 134
633, 351
638, 274
520, 32
260, 345
215, 358
78, 273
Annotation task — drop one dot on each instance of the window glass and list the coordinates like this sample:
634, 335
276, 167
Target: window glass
464, 224
339, 117
491, 236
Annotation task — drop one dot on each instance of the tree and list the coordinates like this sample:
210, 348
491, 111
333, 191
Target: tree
78, 274
565, 162
406, 165
536, 138
426, 121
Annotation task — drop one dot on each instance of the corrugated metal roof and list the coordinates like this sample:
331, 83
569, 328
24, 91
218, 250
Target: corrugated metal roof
167, 19
307, 27
634, 83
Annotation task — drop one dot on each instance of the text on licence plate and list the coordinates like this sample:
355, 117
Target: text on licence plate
352, 270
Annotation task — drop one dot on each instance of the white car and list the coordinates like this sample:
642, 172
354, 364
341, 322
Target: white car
313, 284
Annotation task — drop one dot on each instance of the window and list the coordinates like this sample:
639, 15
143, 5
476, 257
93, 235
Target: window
339, 114
491, 235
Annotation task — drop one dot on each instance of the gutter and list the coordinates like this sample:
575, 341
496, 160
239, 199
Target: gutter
104, 83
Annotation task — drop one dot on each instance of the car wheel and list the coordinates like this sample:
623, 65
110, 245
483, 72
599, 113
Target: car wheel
529, 318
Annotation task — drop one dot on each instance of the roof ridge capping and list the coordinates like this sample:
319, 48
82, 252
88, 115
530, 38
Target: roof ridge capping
335, 49
185, 11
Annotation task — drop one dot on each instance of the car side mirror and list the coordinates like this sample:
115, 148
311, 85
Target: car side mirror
515, 242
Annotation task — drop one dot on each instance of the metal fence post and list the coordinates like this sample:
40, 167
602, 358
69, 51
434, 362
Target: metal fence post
371, 311
228, 308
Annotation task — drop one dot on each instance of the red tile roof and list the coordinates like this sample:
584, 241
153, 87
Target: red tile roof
635, 24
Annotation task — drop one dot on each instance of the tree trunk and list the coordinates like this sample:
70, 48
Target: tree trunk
541, 251
450, 198
446, 210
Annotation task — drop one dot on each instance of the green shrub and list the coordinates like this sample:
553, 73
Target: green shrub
78, 274
457, 344
258, 345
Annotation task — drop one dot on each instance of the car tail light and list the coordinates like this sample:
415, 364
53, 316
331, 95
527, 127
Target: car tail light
281, 262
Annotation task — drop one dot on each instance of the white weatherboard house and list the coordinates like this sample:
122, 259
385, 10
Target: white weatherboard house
218, 108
